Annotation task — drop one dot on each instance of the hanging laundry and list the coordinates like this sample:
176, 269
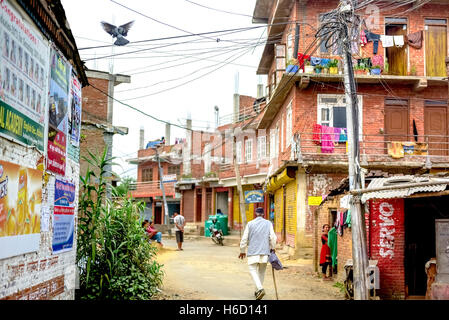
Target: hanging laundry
421, 149
301, 60
344, 202
327, 139
345, 216
375, 38
316, 134
348, 219
332, 243
409, 148
324, 62
395, 150
337, 132
314, 61
415, 39
387, 41
343, 135
363, 40
398, 41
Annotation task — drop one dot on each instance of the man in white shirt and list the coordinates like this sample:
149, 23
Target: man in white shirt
260, 239
179, 223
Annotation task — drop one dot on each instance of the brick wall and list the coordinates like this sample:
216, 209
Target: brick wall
95, 103
42, 274
387, 245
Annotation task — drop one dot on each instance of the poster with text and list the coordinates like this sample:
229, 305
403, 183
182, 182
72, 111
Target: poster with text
58, 113
75, 112
63, 216
24, 72
20, 209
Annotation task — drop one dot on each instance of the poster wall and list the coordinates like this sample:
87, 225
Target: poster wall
63, 216
75, 112
24, 71
20, 209
58, 104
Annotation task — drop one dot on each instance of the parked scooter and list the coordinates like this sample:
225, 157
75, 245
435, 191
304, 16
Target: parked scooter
216, 234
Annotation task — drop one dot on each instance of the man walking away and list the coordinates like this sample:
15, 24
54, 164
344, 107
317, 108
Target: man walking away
179, 223
260, 239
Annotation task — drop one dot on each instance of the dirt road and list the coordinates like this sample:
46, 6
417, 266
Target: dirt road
204, 270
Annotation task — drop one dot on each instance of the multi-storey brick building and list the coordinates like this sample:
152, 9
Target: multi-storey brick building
148, 185
403, 116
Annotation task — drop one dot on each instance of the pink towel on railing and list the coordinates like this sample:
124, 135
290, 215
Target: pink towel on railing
327, 139
337, 132
316, 134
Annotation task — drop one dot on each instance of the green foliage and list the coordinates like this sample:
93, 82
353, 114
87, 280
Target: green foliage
340, 286
115, 259
333, 63
122, 189
211, 174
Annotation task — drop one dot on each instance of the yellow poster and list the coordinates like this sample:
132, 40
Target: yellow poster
315, 201
20, 209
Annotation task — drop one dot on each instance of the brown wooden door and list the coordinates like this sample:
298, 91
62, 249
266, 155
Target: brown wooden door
436, 50
436, 130
397, 57
396, 121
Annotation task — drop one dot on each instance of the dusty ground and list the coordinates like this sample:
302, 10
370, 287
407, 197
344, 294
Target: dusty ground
204, 270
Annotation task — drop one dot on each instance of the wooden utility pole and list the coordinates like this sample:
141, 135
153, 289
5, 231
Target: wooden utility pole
162, 187
359, 249
239, 185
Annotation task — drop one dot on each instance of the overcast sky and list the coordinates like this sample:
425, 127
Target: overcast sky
170, 63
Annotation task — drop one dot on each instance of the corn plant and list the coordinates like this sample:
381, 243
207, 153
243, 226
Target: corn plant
115, 259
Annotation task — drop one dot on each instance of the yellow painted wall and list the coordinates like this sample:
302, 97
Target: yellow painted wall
249, 208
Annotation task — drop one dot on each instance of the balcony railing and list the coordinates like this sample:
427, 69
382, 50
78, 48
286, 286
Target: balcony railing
379, 149
151, 189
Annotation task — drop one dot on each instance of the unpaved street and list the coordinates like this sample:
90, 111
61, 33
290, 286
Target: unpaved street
204, 270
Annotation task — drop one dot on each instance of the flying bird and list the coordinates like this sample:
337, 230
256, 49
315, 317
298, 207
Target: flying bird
118, 32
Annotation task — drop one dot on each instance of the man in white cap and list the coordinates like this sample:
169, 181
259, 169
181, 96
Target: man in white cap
260, 239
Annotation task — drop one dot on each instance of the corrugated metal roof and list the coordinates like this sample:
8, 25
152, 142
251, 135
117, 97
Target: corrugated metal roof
403, 188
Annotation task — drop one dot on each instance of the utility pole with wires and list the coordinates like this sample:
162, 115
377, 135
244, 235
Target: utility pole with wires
359, 244
239, 185
166, 221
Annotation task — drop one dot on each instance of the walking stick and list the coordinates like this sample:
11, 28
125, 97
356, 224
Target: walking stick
274, 281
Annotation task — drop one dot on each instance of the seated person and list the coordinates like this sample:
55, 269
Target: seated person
219, 211
153, 234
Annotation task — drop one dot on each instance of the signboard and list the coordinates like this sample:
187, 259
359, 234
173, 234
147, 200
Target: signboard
63, 216
20, 209
23, 79
315, 201
254, 196
58, 113
75, 112
169, 178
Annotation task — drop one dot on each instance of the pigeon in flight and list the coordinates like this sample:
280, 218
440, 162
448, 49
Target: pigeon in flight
118, 32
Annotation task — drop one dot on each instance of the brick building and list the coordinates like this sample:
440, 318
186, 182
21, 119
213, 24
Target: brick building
97, 128
39, 150
148, 185
407, 101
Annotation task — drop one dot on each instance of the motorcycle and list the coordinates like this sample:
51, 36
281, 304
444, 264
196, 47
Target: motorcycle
216, 234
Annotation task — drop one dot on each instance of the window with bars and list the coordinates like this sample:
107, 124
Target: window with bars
332, 111
174, 170
261, 148
147, 174
248, 150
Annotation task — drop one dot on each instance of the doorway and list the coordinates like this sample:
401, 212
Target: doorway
435, 127
420, 215
436, 47
396, 120
158, 213
397, 56
198, 210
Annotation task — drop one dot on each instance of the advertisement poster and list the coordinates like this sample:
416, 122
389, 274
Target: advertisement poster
20, 209
75, 112
63, 216
24, 69
58, 113
254, 196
